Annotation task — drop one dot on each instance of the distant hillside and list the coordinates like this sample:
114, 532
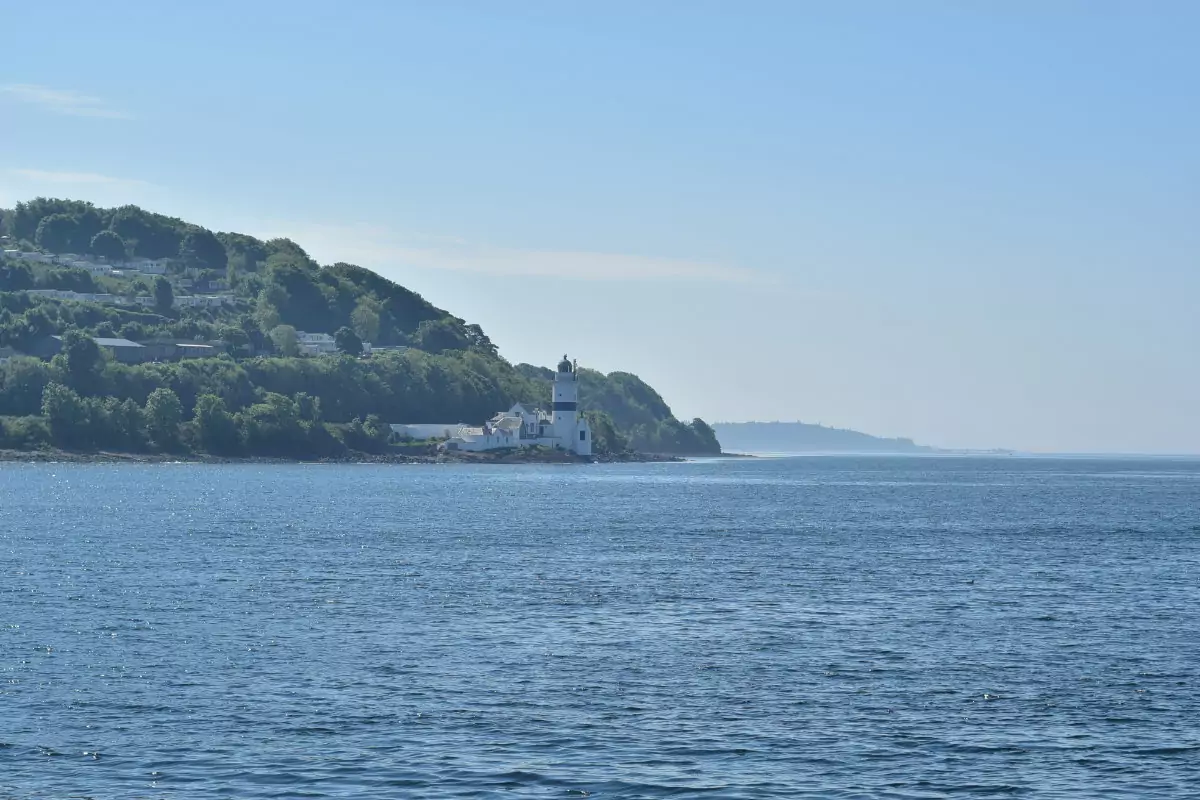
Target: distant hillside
76, 278
800, 437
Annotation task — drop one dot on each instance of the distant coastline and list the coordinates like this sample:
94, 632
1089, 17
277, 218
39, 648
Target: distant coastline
800, 438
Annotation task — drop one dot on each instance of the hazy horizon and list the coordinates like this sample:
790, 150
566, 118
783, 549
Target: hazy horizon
974, 228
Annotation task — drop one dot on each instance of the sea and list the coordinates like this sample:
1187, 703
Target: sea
819, 627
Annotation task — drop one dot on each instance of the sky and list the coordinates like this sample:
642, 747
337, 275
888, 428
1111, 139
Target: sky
970, 223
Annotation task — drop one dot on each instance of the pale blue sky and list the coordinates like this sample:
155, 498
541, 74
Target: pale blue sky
975, 224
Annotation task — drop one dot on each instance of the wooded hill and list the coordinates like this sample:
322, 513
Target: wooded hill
259, 396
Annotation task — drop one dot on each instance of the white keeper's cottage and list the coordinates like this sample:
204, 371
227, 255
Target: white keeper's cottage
562, 428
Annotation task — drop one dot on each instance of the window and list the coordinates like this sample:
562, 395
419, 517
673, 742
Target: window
583, 436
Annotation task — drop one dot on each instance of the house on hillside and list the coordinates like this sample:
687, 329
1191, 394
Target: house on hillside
94, 267
122, 350
150, 266
175, 350
316, 344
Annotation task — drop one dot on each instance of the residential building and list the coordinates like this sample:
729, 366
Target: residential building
316, 344
150, 266
122, 350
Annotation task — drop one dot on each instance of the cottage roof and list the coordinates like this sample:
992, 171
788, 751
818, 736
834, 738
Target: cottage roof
106, 342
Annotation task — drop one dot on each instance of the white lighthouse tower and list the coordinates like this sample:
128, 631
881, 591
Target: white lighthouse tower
572, 431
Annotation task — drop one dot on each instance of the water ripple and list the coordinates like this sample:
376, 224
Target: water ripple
845, 628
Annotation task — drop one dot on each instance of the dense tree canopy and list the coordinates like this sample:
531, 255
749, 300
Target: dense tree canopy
347, 341
56, 233
201, 249
108, 244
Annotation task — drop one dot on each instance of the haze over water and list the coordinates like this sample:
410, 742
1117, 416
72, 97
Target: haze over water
814, 627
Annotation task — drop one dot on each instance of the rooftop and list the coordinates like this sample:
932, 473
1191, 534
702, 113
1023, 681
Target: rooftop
105, 342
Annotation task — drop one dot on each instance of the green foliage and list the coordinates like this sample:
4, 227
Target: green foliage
400, 310
628, 399
347, 341
364, 319
215, 426
108, 244
243, 253
672, 437
67, 414
164, 412
606, 438
88, 223
149, 235
200, 248
440, 336
15, 277
56, 233
22, 223
369, 436
24, 433
164, 295
285, 340
22, 382
274, 427
72, 280
83, 362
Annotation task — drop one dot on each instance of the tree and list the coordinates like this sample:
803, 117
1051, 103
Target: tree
147, 234
479, 341
365, 320
348, 342
66, 413
83, 360
215, 426
438, 336
706, 437
31, 327
88, 223
164, 295
285, 340
308, 407
201, 248
270, 300
56, 233
606, 439
127, 422
15, 277
164, 412
23, 382
273, 426
109, 245
243, 252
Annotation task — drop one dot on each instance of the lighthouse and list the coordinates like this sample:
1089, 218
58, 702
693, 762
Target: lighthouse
572, 432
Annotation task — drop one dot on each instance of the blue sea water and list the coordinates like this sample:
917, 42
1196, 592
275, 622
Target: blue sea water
810, 627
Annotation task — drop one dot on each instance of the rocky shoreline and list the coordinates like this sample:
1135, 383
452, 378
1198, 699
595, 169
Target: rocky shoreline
107, 457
